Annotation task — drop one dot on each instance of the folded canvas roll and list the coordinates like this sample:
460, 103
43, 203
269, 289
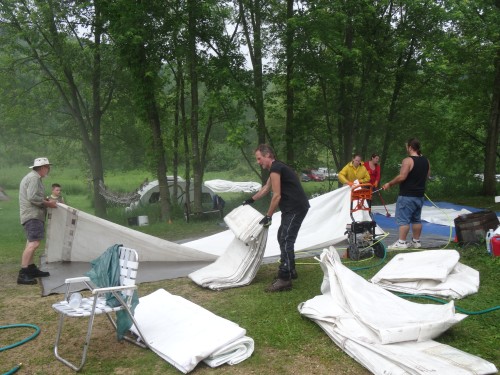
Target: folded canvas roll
183, 333
386, 334
431, 272
243, 221
232, 354
242, 258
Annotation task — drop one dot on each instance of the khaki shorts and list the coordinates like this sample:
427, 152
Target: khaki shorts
34, 230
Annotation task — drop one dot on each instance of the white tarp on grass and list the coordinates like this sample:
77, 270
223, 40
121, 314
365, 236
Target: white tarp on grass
184, 334
224, 186
432, 272
238, 265
324, 225
385, 333
75, 236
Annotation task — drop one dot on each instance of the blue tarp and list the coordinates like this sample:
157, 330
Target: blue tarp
389, 223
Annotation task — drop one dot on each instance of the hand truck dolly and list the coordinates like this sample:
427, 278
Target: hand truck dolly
363, 242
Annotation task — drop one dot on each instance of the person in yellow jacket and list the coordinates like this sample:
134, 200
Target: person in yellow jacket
354, 170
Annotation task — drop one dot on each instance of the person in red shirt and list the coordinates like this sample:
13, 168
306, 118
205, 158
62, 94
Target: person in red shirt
373, 168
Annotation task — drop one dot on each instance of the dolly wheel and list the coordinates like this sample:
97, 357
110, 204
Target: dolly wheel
353, 252
379, 249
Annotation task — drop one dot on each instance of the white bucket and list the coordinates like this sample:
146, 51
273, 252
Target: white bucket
142, 220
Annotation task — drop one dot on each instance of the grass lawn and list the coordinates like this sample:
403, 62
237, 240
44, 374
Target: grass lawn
285, 342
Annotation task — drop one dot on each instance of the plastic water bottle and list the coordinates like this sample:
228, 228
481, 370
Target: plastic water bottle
489, 236
75, 300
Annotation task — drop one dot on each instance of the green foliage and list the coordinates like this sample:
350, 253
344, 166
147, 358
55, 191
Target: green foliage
222, 158
363, 80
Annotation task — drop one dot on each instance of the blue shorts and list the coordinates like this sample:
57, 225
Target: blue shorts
409, 210
34, 230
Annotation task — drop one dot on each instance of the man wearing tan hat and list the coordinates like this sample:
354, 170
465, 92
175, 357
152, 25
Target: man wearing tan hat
33, 206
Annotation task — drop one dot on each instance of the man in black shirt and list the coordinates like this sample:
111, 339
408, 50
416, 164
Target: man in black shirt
415, 171
291, 199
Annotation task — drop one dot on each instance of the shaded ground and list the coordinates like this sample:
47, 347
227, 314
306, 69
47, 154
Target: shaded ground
23, 304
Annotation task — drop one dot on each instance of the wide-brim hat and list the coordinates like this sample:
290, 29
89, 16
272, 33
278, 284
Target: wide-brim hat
39, 162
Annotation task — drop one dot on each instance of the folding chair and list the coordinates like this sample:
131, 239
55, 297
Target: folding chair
96, 304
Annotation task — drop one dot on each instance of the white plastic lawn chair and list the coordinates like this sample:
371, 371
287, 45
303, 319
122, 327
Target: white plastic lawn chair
96, 303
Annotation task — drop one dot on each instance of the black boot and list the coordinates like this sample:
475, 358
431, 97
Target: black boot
25, 278
279, 285
294, 275
33, 271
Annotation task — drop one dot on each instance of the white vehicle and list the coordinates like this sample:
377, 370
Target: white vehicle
480, 176
329, 174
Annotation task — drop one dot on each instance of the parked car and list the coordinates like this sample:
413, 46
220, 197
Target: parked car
329, 174
314, 175
304, 177
480, 176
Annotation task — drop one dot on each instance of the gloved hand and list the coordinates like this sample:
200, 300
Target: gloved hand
266, 221
248, 201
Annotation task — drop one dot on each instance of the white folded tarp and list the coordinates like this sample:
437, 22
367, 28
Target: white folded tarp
224, 186
76, 236
385, 333
232, 354
73, 235
430, 272
324, 225
243, 221
238, 265
184, 334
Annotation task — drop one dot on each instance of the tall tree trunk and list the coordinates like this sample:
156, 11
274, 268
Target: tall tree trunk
150, 110
402, 67
177, 129
96, 155
490, 157
346, 95
88, 120
254, 23
185, 135
290, 95
193, 75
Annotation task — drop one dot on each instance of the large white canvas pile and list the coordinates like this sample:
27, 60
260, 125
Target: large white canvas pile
324, 225
73, 235
184, 334
240, 262
385, 333
431, 272
224, 186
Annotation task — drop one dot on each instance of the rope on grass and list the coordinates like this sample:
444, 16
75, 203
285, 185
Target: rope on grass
443, 301
3, 348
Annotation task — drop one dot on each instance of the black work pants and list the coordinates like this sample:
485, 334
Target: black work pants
287, 234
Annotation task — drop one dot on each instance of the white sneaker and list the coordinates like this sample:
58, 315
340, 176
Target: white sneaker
398, 245
415, 244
